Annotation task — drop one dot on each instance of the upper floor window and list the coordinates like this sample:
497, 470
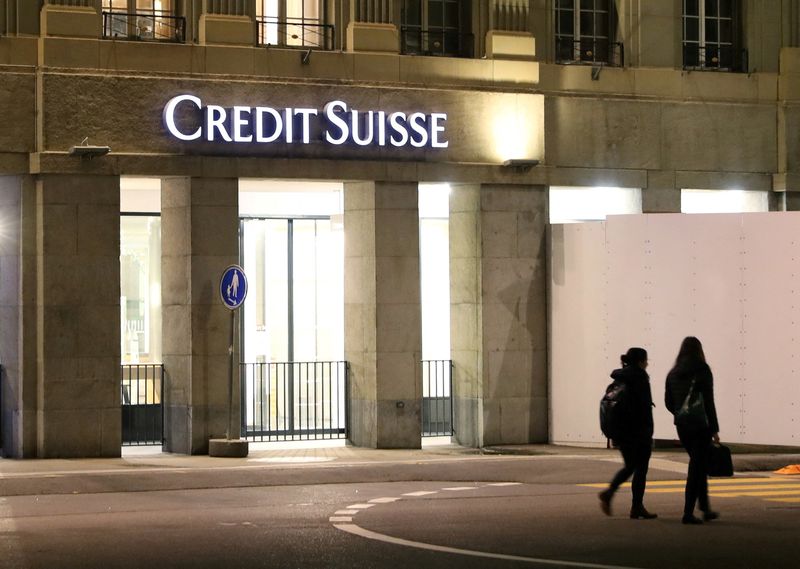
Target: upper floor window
436, 27
585, 32
142, 20
711, 35
299, 23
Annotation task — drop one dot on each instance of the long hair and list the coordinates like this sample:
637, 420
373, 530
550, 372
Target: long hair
634, 356
690, 354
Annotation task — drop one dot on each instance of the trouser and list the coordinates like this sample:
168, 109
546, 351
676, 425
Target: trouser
697, 444
637, 460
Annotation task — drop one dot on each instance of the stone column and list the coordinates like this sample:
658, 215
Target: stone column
78, 316
383, 336
498, 314
200, 238
18, 316
661, 194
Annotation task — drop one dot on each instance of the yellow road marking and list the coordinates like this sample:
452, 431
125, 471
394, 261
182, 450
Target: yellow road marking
754, 493
790, 500
731, 488
712, 482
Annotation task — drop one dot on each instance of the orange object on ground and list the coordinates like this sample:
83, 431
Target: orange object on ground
791, 469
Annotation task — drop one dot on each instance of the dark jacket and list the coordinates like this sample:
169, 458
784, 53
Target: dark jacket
637, 385
679, 380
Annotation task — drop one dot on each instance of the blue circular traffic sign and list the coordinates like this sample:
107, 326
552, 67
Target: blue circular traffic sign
233, 287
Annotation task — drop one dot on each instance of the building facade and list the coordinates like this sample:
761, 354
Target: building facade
503, 100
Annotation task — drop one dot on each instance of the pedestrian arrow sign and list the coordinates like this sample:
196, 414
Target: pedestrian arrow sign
233, 287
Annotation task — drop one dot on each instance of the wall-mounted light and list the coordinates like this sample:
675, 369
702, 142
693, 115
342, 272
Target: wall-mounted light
89, 151
521, 164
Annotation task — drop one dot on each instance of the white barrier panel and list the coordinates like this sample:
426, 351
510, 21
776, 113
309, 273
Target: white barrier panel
732, 280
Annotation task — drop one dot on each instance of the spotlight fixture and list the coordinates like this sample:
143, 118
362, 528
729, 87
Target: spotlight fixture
521, 164
85, 150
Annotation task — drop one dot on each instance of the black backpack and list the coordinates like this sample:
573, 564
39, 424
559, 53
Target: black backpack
615, 413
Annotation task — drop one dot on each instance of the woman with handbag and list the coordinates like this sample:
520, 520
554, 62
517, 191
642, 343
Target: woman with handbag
636, 442
690, 398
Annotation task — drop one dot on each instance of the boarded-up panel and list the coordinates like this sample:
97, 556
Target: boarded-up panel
577, 336
732, 280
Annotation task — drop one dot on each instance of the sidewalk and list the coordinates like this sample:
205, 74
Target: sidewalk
746, 458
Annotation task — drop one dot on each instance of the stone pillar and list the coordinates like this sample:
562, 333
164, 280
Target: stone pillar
78, 316
498, 314
200, 238
661, 195
383, 335
18, 316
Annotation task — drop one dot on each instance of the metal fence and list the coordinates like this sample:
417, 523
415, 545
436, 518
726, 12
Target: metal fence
295, 32
437, 398
294, 400
142, 394
590, 50
146, 26
415, 41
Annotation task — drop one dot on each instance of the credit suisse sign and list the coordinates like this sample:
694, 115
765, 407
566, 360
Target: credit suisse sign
335, 124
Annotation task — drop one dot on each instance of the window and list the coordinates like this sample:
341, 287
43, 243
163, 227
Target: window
724, 201
578, 204
584, 32
149, 20
711, 34
293, 23
436, 27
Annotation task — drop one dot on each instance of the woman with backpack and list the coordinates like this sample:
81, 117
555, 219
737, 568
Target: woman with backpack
636, 438
690, 398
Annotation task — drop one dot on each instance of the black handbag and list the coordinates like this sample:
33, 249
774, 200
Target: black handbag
719, 461
692, 413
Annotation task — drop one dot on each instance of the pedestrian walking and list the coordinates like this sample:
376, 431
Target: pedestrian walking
635, 440
689, 396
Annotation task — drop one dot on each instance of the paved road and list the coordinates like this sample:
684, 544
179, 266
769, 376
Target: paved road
489, 512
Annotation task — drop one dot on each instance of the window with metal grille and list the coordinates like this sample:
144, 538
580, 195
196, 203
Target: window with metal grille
151, 20
436, 27
584, 32
711, 35
293, 23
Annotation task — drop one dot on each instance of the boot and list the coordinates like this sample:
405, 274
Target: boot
641, 513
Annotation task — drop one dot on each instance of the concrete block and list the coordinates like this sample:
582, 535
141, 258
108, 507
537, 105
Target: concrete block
516, 73
99, 331
206, 272
224, 448
465, 281
224, 239
465, 327
59, 232
464, 229
70, 21
98, 229
359, 226
499, 234
175, 279
224, 29
503, 44
396, 233
59, 336
210, 330
359, 196
399, 328
177, 330
464, 198
398, 280
399, 424
71, 52
359, 280
398, 376
371, 67
363, 36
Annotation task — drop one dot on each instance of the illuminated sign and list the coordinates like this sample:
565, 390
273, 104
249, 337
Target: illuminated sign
335, 124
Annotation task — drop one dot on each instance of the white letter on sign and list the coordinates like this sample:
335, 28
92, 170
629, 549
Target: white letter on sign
169, 117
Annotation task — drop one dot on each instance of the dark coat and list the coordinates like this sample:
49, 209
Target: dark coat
679, 380
637, 386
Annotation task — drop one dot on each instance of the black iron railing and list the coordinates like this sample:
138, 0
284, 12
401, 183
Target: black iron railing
295, 32
437, 398
294, 400
715, 58
147, 26
415, 41
142, 394
589, 51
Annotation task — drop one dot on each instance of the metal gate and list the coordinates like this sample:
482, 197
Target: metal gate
294, 400
437, 398
142, 392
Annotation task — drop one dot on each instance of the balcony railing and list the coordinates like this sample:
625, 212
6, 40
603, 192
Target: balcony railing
589, 51
715, 58
145, 26
415, 41
295, 32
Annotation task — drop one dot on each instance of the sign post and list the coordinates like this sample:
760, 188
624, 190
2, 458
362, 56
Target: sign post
232, 291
